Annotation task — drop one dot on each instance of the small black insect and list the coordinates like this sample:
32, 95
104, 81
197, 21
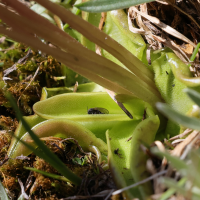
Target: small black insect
116, 151
129, 139
173, 85
97, 110
167, 73
144, 115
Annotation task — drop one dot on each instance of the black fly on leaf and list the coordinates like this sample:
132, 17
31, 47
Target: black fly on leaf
97, 110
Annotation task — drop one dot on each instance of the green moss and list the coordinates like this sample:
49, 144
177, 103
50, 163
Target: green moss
28, 66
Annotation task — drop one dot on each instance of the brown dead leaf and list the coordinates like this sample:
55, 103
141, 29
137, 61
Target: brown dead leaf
187, 48
168, 29
178, 150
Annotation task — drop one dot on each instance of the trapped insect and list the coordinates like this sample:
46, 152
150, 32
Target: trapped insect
98, 110
116, 151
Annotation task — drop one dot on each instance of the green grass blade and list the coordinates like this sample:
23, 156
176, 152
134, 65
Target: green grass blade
188, 122
194, 53
21, 197
174, 161
190, 193
107, 5
50, 175
166, 195
3, 194
173, 184
195, 96
46, 154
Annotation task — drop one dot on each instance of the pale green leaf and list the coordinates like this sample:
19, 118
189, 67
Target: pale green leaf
174, 161
189, 122
107, 5
119, 137
144, 134
180, 189
195, 96
3, 194
172, 190
21, 197
21, 130
52, 127
170, 89
173, 184
46, 154
38, 9
74, 106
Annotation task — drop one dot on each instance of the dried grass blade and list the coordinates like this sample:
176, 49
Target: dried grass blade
169, 43
77, 64
180, 147
133, 29
69, 45
100, 68
21, 23
164, 27
98, 37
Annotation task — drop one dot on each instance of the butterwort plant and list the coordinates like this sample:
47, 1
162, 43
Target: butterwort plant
122, 68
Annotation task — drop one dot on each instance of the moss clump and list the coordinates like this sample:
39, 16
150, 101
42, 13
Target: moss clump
12, 55
44, 187
11, 171
26, 80
30, 66
5, 139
